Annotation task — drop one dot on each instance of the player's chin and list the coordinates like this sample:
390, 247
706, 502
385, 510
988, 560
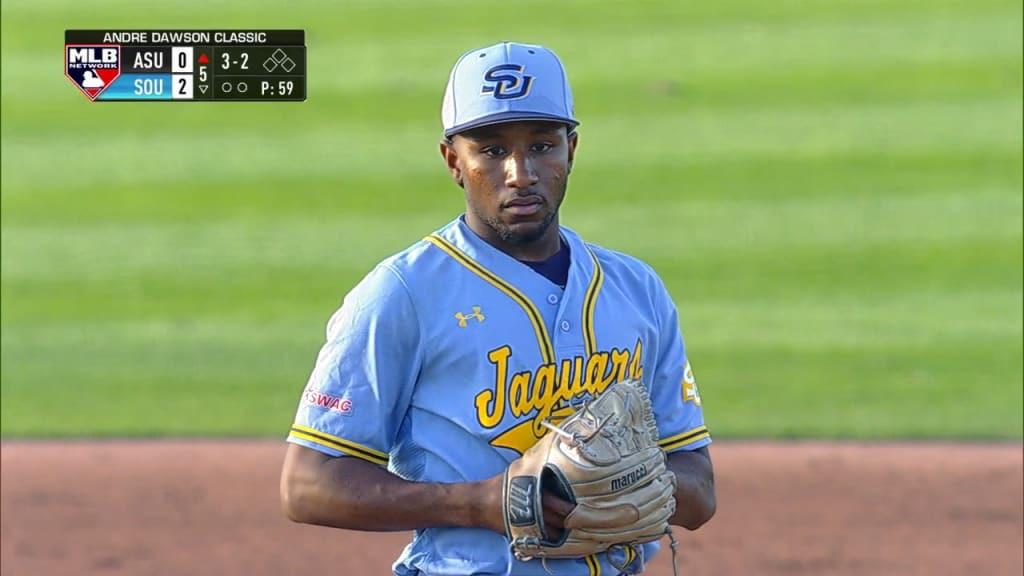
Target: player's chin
523, 230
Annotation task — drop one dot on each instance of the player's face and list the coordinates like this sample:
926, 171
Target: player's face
514, 176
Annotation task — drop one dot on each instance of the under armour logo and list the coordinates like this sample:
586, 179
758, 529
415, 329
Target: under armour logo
463, 317
509, 82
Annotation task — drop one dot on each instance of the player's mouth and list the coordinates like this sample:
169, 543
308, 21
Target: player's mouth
524, 206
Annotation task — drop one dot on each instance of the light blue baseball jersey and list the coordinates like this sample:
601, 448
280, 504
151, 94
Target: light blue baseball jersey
442, 362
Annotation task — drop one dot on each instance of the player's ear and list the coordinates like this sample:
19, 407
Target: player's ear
572, 139
451, 160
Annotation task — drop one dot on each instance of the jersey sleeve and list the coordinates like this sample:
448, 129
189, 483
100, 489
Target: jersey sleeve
674, 395
361, 385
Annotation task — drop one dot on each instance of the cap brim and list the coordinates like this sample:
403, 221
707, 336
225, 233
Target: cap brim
505, 117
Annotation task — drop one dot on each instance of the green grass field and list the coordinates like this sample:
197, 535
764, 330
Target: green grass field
831, 190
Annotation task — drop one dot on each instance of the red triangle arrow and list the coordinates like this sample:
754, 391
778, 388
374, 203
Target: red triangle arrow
203, 59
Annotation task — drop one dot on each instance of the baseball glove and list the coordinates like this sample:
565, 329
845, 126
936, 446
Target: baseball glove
605, 459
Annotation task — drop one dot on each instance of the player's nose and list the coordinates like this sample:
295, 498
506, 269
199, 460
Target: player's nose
519, 171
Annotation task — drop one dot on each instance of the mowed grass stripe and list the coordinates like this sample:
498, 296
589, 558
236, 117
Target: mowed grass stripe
765, 225
881, 322
942, 391
682, 52
794, 277
782, 178
363, 18
693, 135
733, 44
711, 229
874, 322
839, 360
782, 390
100, 251
665, 93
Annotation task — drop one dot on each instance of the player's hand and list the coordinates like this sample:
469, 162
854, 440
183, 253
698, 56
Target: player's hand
490, 516
555, 511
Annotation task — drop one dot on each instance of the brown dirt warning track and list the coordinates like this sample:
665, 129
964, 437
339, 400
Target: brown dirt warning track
211, 507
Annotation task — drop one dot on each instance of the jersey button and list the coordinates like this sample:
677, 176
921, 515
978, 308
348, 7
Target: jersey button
552, 299
565, 325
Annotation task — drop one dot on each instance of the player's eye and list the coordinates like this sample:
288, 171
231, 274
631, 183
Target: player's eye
493, 151
542, 147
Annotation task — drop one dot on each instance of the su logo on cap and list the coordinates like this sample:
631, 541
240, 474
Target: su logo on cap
508, 82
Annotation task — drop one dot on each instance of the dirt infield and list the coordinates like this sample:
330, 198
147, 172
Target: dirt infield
211, 507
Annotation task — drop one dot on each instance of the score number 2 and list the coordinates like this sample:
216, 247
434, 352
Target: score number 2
227, 61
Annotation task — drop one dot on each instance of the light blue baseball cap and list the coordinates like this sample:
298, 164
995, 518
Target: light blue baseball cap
506, 82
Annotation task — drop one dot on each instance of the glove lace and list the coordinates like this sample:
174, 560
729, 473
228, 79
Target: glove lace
673, 544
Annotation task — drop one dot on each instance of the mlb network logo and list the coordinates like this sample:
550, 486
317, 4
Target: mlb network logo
92, 67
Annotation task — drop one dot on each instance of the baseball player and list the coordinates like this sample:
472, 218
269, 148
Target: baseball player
443, 363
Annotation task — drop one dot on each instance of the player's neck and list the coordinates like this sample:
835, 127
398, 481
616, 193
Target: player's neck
540, 249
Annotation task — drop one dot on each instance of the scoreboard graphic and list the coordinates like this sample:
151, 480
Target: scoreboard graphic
187, 65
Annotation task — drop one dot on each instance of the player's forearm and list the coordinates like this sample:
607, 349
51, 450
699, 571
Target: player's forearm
695, 490
357, 495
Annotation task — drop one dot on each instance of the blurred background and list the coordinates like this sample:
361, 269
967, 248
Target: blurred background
831, 189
